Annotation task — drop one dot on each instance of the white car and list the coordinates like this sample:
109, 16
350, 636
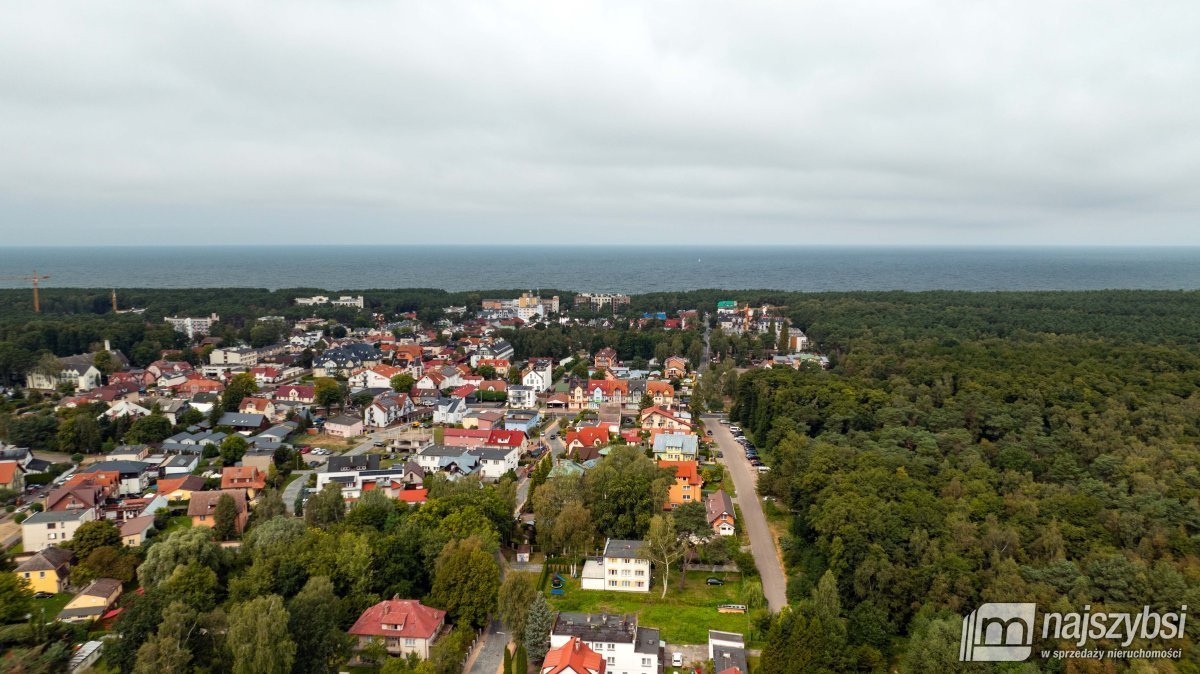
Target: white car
677, 659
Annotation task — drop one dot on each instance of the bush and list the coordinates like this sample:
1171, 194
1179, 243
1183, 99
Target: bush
77, 457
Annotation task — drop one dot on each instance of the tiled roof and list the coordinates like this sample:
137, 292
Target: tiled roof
405, 618
718, 503
205, 502
588, 436
573, 657
687, 470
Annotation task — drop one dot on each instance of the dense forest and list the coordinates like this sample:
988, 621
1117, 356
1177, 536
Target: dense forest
968, 448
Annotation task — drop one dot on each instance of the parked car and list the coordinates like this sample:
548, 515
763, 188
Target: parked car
713, 580
42, 595
709, 433
677, 659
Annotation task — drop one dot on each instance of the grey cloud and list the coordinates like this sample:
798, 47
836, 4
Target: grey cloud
824, 122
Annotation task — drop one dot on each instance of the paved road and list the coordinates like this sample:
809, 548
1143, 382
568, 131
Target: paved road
293, 488
490, 658
745, 480
556, 449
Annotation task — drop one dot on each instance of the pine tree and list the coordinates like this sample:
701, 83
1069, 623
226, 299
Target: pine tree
520, 663
537, 631
508, 661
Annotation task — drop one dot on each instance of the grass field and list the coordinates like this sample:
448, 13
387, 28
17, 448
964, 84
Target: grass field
684, 616
51, 605
177, 522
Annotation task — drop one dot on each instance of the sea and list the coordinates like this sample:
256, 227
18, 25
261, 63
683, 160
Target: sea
626, 269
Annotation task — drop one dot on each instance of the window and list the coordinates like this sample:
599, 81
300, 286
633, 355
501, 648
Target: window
645, 662
410, 642
51, 536
41, 574
612, 660
612, 647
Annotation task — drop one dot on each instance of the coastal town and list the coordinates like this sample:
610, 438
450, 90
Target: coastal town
462, 500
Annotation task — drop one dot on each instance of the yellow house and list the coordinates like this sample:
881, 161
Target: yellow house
47, 570
92, 602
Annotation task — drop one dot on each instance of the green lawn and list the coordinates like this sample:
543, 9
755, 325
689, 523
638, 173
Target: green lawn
52, 605
177, 522
684, 616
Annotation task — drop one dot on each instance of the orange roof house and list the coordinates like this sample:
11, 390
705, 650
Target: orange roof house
588, 436
573, 657
180, 488
661, 393
686, 487
249, 478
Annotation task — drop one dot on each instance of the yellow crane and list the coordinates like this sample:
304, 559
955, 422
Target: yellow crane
37, 306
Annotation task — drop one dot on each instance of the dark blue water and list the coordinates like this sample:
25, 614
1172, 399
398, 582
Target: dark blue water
610, 269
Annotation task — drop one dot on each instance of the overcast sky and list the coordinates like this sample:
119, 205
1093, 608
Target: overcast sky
1015, 122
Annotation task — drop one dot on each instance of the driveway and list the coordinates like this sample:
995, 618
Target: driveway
293, 489
762, 543
490, 657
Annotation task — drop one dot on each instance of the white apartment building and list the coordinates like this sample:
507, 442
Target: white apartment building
625, 647
235, 355
624, 567
192, 326
53, 527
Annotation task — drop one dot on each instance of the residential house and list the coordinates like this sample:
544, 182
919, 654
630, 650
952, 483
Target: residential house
625, 646
77, 371
493, 386
623, 567
180, 488
454, 462
522, 398
255, 405
179, 465
450, 411
686, 487
92, 602
131, 508
676, 446
727, 650
344, 426
494, 462
538, 374
41, 530
661, 393
81, 492
249, 423
203, 506
597, 392
193, 442
573, 657
656, 418
605, 358
522, 420
267, 374
675, 367
136, 530
587, 436
12, 476
484, 420
403, 625
465, 437
260, 459
379, 376
296, 394
246, 478
47, 570
134, 476
500, 365
387, 409
721, 514
125, 408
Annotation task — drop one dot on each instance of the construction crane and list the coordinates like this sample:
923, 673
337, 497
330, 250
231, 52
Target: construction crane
37, 305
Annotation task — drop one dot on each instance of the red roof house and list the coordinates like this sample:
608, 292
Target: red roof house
404, 625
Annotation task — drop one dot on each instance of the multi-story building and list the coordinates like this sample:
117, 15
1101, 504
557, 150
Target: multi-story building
53, 527
623, 567
233, 356
686, 487
404, 626
192, 327
626, 647
597, 301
